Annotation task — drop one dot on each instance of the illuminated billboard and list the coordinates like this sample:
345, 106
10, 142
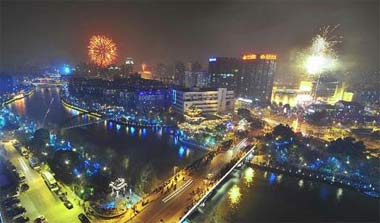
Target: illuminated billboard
212, 59
249, 57
268, 56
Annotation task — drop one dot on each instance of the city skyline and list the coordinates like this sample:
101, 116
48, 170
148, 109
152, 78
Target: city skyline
165, 32
189, 111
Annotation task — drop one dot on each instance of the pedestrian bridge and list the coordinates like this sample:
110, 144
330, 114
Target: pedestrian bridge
204, 198
77, 121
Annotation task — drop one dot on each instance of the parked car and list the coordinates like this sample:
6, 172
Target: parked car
10, 207
40, 219
15, 211
83, 218
63, 197
68, 204
21, 176
24, 187
10, 201
34, 163
24, 152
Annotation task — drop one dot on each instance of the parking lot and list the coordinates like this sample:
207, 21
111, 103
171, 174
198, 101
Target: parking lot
38, 199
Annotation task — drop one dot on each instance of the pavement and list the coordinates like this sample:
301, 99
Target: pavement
38, 199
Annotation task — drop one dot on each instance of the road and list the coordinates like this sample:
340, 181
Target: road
172, 206
39, 200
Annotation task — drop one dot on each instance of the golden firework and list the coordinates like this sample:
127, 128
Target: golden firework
102, 50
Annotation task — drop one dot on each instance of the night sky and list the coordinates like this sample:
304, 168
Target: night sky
58, 31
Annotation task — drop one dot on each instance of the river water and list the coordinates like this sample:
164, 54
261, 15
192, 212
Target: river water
248, 196
128, 150
253, 195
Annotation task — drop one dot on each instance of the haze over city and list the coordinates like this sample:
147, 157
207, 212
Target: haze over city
189, 111
167, 31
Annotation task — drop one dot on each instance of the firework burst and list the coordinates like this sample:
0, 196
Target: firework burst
321, 56
102, 50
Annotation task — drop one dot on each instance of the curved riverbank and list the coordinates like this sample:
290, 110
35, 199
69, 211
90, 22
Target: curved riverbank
320, 177
67, 104
18, 97
126, 123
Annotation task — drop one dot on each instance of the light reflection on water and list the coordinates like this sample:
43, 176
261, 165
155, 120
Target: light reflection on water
300, 200
234, 195
339, 194
153, 148
249, 174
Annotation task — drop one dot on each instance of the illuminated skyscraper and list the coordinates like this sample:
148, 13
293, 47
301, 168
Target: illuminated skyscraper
179, 73
256, 76
128, 66
223, 72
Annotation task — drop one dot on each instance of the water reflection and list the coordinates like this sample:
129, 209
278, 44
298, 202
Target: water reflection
234, 195
300, 183
242, 203
132, 130
279, 178
323, 193
20, 106
339, 194
272, 178
249, 174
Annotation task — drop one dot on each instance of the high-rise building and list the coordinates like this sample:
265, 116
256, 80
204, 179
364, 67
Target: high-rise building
163, 72
325, 86
128, 66
256, 76
223, 72
203, 79
179, 73
196, 66
190, 79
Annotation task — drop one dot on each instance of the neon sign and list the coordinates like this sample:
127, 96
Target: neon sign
268, 56
249, 57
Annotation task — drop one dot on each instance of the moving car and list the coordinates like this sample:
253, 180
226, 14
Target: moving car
83, 218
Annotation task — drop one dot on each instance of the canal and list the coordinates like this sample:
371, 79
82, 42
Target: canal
129, 150
250, 195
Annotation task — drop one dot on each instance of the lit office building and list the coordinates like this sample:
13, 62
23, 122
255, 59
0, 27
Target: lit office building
223, 72
325, 87
256, 76
128, 66
208, 101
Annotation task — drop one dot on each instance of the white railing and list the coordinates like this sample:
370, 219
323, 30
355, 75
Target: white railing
216, 185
